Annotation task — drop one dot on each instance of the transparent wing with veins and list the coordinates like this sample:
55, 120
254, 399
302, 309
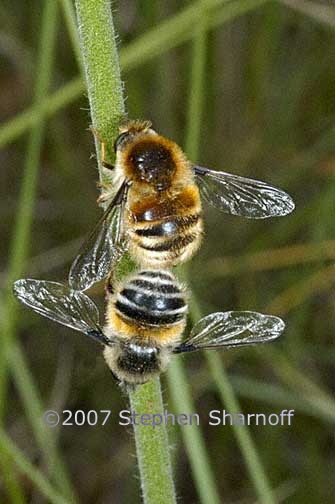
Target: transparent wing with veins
232, 329
104, 246
63, 305
242, 196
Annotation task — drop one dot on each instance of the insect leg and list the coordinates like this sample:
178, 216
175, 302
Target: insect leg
109, 288
104, 163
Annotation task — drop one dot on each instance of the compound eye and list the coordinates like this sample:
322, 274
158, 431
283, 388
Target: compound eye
120, 139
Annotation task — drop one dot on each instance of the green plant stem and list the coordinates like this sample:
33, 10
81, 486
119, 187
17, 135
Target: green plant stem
102, 70
103, 79
181, 396
70, 21
243, 436
247, 446
12, 353
274, 394
195, 107
48, 107
271, 259
143, 49
195, 115
152, 446
25, 467
180, 390
296, 379
323, 14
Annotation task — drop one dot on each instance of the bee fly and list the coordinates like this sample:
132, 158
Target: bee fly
145, 320
156, 211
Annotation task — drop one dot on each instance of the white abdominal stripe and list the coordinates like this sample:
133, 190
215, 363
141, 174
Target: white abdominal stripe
152, 297
167, 230
163, 243
154, 276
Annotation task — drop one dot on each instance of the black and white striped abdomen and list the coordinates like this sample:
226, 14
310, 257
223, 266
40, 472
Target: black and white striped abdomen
166, 243
151, 297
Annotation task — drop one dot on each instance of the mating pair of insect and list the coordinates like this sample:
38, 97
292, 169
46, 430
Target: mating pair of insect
156, 214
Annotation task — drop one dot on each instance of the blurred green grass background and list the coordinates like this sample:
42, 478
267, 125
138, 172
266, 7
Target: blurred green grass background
267, 111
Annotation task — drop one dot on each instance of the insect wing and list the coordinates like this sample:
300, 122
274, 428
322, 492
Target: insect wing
242, 196
61, 304
232, 329
102, 248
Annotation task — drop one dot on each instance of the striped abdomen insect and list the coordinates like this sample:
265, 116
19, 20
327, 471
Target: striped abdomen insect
164, 230
148, 313
156, 210
145, 320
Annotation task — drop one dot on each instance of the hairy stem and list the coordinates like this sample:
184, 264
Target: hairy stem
102, 69
160, 39
152, 446
105, 92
